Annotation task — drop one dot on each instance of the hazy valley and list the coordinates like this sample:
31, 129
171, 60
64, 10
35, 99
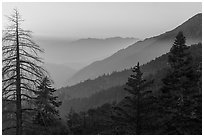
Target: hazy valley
102, 69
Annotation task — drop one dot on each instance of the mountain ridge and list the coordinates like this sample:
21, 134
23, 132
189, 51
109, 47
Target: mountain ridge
109, 88
142, 51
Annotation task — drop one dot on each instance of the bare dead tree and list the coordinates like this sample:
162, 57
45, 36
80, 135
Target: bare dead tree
22, 72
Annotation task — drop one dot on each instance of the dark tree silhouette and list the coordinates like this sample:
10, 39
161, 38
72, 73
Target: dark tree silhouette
131, 113
75, 122
180, 91
46, 104
21, 72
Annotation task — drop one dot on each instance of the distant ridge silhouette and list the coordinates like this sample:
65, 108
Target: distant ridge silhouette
142, 51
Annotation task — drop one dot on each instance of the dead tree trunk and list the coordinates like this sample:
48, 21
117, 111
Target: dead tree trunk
21, 73
18, 86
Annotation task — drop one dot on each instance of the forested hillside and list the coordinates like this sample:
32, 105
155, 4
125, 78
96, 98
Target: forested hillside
154, 108
147, 50
154, 70
89, 87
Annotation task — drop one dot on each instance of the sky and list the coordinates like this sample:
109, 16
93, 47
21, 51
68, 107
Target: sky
101, 20
54, 24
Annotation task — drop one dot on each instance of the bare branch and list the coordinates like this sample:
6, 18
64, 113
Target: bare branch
32, 73
28, 88
3, 130
26, 109
9, 78
12, 83
27, 96
30, 56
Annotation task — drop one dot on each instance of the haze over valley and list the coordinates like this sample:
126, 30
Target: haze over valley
105, 68
60, 67
82, 40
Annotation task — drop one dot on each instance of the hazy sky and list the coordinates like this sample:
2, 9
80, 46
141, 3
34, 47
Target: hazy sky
102, 20
54, 24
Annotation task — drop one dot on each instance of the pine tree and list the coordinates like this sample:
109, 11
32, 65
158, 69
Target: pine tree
130, 114
75, 122
46, 104
21, 72
180, 89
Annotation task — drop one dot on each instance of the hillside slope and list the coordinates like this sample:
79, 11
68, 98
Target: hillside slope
142, 51
89, 87
155, 69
